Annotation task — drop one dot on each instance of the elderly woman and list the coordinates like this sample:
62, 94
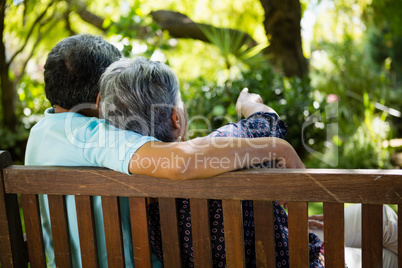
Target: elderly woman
144, 97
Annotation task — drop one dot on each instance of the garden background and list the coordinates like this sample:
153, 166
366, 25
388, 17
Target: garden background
331, 69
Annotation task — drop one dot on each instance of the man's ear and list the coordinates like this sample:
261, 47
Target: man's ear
176, 118
97, 101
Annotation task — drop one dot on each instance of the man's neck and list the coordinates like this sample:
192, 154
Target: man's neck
58, 109
85, 112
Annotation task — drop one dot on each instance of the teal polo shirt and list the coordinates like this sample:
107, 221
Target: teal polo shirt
71, 139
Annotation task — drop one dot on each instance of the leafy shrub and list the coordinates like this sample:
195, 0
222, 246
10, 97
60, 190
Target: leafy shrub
212, 105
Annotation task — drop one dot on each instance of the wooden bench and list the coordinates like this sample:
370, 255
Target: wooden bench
332, 187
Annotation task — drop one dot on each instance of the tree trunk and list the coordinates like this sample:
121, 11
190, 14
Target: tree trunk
8, 93
282, 26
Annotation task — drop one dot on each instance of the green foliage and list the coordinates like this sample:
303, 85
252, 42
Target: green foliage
290, 98
25, 25
32, 100
344, 69
30, 108
236, 44
385, 13
356, 58
14, 142
134, 25
212, 104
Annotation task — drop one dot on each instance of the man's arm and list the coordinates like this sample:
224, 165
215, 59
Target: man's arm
207, 157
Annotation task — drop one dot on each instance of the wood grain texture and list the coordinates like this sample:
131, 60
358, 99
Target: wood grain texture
140, 232
33, 228
170, 233
5, 159
61, 241
86, 230
310, 185
200, 229
113, 232
399, 236
15, 253
298, 234
372, 236
234, 237
12, 254
334, 235
264, 234
6, 256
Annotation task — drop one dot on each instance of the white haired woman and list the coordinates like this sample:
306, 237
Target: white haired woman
144, 96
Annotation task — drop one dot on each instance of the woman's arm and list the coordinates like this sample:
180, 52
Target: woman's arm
250, 103
209, 156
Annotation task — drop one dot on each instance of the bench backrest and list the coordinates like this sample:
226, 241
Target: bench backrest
372, 188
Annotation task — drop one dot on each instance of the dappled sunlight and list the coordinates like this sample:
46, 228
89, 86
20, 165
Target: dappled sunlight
351, 57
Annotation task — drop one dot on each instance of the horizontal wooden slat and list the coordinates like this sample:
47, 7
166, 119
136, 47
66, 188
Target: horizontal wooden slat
321, 185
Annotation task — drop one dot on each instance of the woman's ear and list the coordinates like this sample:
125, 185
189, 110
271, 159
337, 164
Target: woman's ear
97, 101
176, 118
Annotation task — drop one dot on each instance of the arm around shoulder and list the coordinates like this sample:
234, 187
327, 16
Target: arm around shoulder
207, 156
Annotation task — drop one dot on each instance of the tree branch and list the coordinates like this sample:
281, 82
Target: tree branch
177, 24
87, 16
34, 46
67, 21
38, 19
180, 26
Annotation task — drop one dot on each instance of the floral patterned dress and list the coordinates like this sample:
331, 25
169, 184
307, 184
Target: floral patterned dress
260, 124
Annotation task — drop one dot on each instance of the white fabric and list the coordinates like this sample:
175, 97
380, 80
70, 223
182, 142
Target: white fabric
353, 226
353, 233
353, 258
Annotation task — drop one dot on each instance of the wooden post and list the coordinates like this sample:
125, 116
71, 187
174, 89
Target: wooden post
113, 231
298, 234
33, 228
12, 246
201, 232
170, 232
140, 232
234, 237
372, 235
264, 234
86, 230
334, 235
